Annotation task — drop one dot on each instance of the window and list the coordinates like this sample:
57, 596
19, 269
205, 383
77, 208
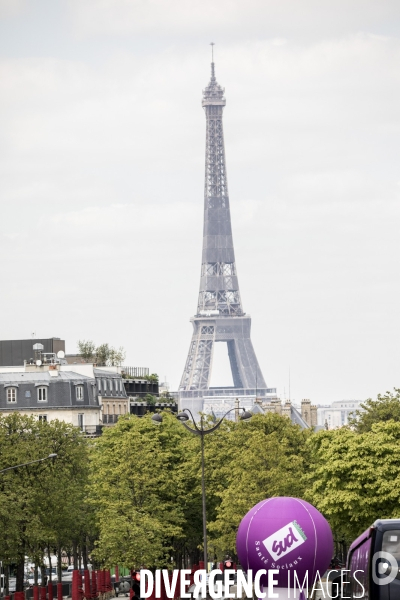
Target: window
120, 385
42, 418
42, 394
27, 394
99, 385
104, 385
11, 394
81, 420
79, 392
110, 384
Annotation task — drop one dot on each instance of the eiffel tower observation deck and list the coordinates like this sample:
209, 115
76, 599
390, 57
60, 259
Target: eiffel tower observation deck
220, 316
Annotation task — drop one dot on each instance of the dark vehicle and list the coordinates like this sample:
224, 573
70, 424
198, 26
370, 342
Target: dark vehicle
373, 563
123, 586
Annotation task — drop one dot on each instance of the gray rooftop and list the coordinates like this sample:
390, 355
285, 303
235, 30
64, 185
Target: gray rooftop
28, 377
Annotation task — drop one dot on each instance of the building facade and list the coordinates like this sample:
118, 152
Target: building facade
285, 409
337, 414
50, 394
309, 413
82, 395
112, 396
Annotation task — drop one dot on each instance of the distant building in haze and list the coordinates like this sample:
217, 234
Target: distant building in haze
338, 413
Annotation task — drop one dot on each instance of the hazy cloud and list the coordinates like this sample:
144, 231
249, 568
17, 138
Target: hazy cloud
102, 164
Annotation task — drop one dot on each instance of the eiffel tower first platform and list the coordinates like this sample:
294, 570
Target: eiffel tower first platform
220, 316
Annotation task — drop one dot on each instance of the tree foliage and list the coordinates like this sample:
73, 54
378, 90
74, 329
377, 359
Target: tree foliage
355, 478
137, 488
146, 484
41, 505
87, 349
248, 462
104, 354
138, 491
385, 408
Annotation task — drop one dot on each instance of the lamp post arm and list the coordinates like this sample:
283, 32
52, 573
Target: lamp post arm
196, 431
203, 431
219, 422
32, 462
194, 422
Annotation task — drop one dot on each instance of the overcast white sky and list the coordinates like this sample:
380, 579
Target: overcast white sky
102, 165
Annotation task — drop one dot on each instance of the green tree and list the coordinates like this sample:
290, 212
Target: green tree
87, 349
385, 408
355, 478
248, 462
31, 497
138, 490
116, 356
102, 354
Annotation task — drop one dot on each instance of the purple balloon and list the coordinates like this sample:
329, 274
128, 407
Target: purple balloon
288, 534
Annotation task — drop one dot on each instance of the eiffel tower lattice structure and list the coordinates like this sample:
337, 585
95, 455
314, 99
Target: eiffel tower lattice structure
220, 316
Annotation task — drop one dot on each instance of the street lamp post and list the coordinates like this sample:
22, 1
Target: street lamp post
183, 417
32, 462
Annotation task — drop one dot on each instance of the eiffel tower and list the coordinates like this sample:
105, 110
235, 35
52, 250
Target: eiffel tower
220, 316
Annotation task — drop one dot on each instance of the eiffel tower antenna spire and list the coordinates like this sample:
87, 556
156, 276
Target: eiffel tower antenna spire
212, 61
219, 316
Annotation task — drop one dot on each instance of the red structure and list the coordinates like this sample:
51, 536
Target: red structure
86, 576
59, 591
107, 580
94, 585
100, 581
75, 585
80, 589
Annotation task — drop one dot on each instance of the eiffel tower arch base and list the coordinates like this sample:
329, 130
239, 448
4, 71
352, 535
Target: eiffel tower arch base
235, 331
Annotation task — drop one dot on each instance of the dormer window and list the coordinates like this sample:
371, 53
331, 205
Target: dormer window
42, 394
79, 392
11, 395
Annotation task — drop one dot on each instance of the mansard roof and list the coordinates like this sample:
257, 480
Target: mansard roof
43, 376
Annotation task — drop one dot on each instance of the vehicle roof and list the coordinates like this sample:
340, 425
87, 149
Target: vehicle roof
387, 524
379, 525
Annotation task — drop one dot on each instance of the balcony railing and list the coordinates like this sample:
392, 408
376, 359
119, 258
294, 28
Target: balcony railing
135, 371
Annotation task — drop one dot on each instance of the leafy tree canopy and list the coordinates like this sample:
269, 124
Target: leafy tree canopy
43, 504
138, 491
385, 408
355, 478
248, 462
104, 354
